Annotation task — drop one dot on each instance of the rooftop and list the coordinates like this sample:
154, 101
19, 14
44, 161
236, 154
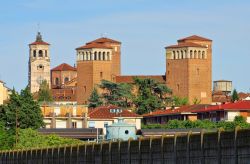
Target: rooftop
64, 67
194, 37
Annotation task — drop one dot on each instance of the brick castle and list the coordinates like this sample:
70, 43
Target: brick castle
188, 69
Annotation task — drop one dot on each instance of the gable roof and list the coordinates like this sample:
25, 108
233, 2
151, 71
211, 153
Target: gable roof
130, 79
180, 45
39, 43
239, 105
187, 109
103, 112
64, 67
94, 45
194, 37
104, 40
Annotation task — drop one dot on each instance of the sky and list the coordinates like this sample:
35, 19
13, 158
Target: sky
144, 27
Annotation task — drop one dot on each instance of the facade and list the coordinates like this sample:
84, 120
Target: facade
181, 113
101, 117
39, 63
223, 85
63, 84
97, 60
4, 92
225, 112
189, 68
65, 116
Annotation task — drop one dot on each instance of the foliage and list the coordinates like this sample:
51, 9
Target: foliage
29, 138
116, 94
150, 95
94, 99
6, 138
21, 109
235, 96
196, 101
44, 93
204, 124
177, 101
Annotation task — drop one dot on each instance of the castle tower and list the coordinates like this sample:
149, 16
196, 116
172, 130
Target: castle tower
97, 60
189, 69
39, 63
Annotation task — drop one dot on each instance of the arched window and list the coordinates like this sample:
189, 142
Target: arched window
182, 54
46, 55
57, 81
178, 57
199, 54
34, 53
100, 56
40, 53
66, 79
108, 56
203, 55
95, 57
195, 54
104, 57
191, 54
174, 55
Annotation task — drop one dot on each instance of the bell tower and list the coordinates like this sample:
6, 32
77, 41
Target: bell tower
39, 63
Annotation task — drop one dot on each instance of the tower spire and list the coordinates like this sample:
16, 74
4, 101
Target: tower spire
39, 37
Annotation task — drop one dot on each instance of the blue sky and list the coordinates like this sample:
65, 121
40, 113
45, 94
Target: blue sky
144, 27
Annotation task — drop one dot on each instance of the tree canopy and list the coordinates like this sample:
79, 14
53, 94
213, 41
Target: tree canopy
95, 99
235, 96
44, 93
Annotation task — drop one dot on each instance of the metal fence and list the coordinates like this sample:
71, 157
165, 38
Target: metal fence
204, 148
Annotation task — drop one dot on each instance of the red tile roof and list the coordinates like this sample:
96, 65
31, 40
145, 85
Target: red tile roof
94, 45
104, 40
39, 43
104, 113
129, 79
180, 45
239, 105
243, 95
64, 67
194, 37
182, 110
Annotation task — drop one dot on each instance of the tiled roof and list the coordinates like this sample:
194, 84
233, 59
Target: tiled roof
104, 40
239, 105
181, 110
194, 37
104, 113
64, 67
130, 79
180, 45
94, 45
39, 43
243, 95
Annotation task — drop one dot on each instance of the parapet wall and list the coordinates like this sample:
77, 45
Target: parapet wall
210, 148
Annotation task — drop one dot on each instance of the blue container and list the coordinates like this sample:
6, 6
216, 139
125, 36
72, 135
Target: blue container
121, 131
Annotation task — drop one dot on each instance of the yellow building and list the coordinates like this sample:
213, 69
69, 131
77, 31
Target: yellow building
4, 92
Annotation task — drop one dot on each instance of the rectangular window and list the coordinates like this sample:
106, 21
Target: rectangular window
74, 124
91, 124
85, 88
101, 75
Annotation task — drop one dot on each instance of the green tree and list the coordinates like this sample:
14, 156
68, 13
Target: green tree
23, 110
118, 94
95, 99
6, 138
177, 101
44, 93
196, 101
150, 96
235, 96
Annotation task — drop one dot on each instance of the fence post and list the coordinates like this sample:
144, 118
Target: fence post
77, 154
219, 146
119, 150
162, 148
110, 156
188, 146
175, 149
93, 153
64, 152
101, 153
202, 146
70, 155
129, 156
139, 151
235, 144
150, 149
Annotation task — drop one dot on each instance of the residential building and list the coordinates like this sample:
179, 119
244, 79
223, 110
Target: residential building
4, 93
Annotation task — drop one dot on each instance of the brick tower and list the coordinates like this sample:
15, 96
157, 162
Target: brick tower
189, 69
39, 63
97, 60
